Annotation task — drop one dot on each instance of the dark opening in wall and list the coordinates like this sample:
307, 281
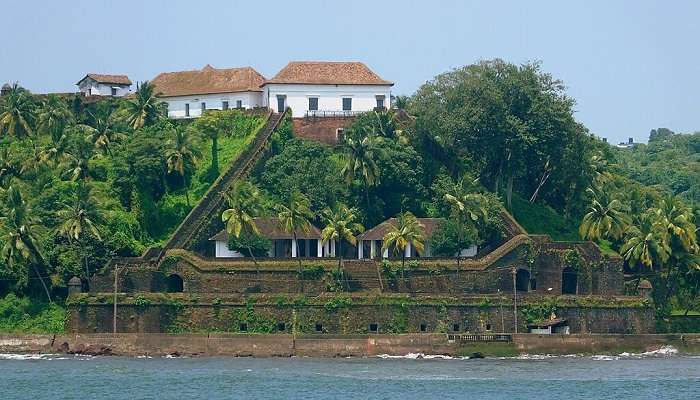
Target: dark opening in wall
281, 326
243, 327
533, 284
175, 284
319, 327
569, 282
522, 280
374, 328
423, 327
455, 327
488, 327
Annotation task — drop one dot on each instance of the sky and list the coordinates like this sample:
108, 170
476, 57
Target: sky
631, 65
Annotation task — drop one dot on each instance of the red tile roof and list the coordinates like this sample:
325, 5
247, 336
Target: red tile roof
101, 78
378, 232
208, 80
271, 228
328, 73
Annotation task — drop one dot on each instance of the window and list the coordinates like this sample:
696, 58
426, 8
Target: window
455, 327
374, 328
224, 105
239, 103
243, 327
187, 110
380, 100
347, 103
319, 327
204, 107
423, 327
313, 103
175, 284
281, 326
488, 327
114, 91
339, 134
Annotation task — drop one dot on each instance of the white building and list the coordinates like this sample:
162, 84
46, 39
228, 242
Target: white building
282, 242
326, 89
189, 93
104, 85
369, 243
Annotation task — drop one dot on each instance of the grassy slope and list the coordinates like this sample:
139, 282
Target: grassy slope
176, 203
539, 218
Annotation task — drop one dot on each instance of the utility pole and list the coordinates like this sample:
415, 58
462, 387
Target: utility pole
114, 311
515, 301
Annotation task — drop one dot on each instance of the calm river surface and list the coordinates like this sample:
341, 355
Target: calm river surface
584, 377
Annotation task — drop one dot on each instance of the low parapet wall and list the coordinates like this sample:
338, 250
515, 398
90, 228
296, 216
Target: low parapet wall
336, 346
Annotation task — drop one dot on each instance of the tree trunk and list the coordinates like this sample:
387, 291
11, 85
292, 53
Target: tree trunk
38, 275
543, 180
509, 192
403, 268
215, 153
255, 261
87, 268
366, 196
301, 278
187, 192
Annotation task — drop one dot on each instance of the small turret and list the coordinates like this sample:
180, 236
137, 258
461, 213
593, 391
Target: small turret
6, 88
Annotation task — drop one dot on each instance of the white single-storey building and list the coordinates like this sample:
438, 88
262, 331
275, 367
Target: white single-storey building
189, 93
326, 89
104, 85
283, 246
369, 243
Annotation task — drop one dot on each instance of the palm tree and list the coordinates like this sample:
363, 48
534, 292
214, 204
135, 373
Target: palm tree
467, 208
645, 244
341, 226
21, 227
77, 160
103, 132
17, 113
605, 218
295, 217
676, 218
81, 218
9, 168
145, 108
244, 201
182, 154
360, 156
53, 117
406, 230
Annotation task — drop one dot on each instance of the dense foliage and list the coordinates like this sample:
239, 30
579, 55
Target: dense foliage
82, 182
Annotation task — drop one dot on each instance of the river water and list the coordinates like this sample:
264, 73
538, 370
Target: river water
659, 375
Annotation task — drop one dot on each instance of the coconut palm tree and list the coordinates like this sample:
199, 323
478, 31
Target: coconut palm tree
676, 218
53, 117
645, 244
182, 154
341, 226
467, 207
606, 218
17, 113
245, 203
21, 228
103, 132
295, 217
145, 108
77, 159
81, 218
406, 230
9, 167
360, 161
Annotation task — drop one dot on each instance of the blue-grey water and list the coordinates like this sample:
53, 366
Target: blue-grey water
581, 377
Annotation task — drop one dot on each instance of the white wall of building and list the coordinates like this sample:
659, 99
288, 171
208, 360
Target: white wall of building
91, 88
222, 250
330, 97
177, 105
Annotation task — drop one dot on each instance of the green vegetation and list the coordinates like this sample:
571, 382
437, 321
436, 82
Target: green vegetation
490, 350
81, 183
28, 316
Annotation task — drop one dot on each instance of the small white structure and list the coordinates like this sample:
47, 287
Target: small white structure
550, 326
283, 245
104, 85
326, 89
189, 93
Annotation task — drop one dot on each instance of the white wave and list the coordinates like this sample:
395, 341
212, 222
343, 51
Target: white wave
14, 356
416, 356
664, 351
603, 357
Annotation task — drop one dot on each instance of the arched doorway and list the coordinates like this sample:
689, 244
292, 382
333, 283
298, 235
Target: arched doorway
522, 280
569, 281
175, 284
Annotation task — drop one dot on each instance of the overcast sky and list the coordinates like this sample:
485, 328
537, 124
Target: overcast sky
631, 65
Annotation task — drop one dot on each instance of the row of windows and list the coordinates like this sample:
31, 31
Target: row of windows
313, 103
372, 328
203, 105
